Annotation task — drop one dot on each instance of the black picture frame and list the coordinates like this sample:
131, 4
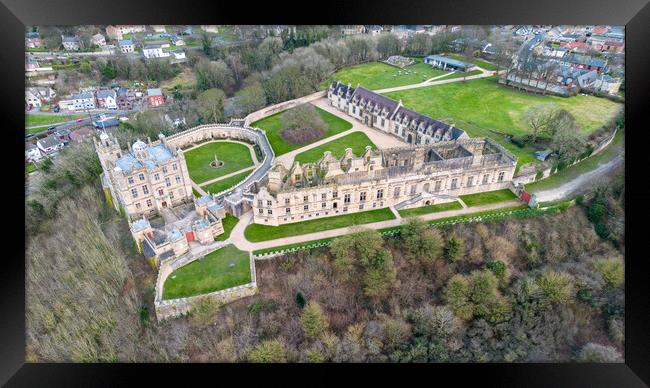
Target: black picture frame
634, 14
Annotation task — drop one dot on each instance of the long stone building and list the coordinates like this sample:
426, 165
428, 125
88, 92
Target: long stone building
403, 177
390, 116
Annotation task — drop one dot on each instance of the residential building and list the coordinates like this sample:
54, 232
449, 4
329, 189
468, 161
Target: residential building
114, 33
125, 99
81, 101
33, 40
159, 28
154, 50
179, 54
32, 100
99, 40
390, 116
177, 40
32, 152
175, 119
126, 46
374, 30
106, 98
211, 29
155, 97
352, 30
403, 177
50, 144
70, 43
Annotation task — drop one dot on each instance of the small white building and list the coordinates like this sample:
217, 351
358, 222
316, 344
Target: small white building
179, 54
50, 144
107, 98
154, 50
212, 29
126, 46
81, 101
70, 43
99, 40
159, 28
32, 153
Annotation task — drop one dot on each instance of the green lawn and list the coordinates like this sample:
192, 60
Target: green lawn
488, 197
36, 119
258, 232
234, 156
212, 273
462, 74
356, 140
418, 211
592, 162
484, 108
378, 75
273, 127
229, 223
227, 183
290, 246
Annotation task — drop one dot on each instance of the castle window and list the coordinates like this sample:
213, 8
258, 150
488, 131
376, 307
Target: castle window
171, 195
270, 211
335, 194
269, 203
426, 187
323, 205
397, 191
145, 189
305, 198
297, 177
261, 211
141, 176
161, 192
485, 178
168, 182
346, 198
288, 210
437, 186
138, 206
286, 201
149, 203
470, 180
362, 196
305, 208
156, 176
164, 169
361, 207
134, 193
380, 193
413, 188
130, 179
259, 203
178, 179
453, 183
501, 175
174, 166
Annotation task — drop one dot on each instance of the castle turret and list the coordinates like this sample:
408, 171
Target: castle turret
108, 150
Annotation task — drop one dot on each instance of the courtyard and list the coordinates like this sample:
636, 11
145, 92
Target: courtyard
356, 140
233, 156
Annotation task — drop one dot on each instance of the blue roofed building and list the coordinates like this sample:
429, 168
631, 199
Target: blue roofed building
446, 63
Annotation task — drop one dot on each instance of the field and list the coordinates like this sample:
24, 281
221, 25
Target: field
212, 273
378, 75
229, 223
234, 156
227, 183
418, 211
571, 172
36, 119
273, 127
356, 140
184, 80
258, 232
488, 197
484, 109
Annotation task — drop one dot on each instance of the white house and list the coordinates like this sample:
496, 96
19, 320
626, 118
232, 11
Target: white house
99, 40
36, 95
107, 98
70, 43
154, 51
179, 54
50, 144
212, 29
32, 100
159, 28
79, 101
32, 153
177, 40
127, 46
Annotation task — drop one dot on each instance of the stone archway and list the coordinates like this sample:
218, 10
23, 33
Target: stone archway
409, 139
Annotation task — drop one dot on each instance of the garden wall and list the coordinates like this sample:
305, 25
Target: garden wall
268, 111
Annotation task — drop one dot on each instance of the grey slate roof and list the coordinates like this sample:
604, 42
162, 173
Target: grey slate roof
103, 93
373, 99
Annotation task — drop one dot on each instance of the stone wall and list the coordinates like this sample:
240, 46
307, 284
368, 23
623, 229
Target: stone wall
268, 111
176, 307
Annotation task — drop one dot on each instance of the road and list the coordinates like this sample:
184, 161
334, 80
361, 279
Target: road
582, 182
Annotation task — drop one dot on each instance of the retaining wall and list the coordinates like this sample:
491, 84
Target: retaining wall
268, 111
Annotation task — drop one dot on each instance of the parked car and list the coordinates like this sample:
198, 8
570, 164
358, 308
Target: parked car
79, 120
56, 109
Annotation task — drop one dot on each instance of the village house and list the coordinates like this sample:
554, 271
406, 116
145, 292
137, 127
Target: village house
33, 40
348, 30
211, 29
154, 50
50, 144
32, 100
81, 101
35, 96
179, 54
374, 30
126, 46
585, 62
125, 99
99, 40
155, 97
70, 43
177, 40
32, 152
159, 28
106, 98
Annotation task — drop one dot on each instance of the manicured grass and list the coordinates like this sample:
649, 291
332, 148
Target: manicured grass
418, 211
273, 127
36, 119
291, 246
227, 183
235, 156
228, 223
488, 197
462, 74
258, 232
378, 75
571, 172
212, 273
356, 140
484, 108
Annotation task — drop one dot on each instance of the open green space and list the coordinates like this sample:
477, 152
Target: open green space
258, 232
356, 140
273, 127
477, 61
226, 183
462, 74
488, 197
291, 246
235, 157
228, 223
378, 75
224, 268
610, 152
36, 119
484, 108
441, 207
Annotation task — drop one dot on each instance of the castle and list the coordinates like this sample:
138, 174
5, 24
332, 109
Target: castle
152, 179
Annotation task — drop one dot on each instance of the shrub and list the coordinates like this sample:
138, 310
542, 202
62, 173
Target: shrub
498, 268
611, 270
596, 212
203, 310
302, 124
300, 300
557, 286
269, 351
592, 352
602, 230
